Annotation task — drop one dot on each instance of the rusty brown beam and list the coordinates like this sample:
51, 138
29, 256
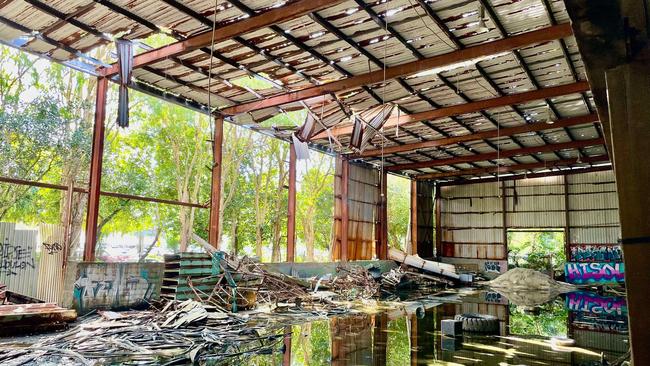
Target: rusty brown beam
466, 54
278, 15
125, 196
471, 107
503, 132
514, 168
291, 210
215, 189
345, 212
497, 155
95, 181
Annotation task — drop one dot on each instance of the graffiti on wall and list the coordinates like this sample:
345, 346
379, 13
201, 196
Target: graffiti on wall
587, 302
115, 287
594, 272
596, 253
492, 266
52, 248
15, 258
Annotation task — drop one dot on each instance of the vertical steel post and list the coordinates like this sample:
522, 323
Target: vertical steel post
345, 181
215, 191
95, 180
291, 214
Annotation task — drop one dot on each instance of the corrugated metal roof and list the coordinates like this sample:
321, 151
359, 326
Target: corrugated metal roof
335, 43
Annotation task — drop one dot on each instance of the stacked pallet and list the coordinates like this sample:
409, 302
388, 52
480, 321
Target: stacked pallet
185, 268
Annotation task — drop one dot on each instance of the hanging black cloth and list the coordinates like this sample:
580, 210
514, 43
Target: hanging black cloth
125, 61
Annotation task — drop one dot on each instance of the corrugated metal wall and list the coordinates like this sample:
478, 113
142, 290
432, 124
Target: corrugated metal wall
472, 221
472, 216
50, 267
363, 200
18, 259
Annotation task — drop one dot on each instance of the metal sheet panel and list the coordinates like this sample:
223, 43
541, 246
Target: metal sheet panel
18, 259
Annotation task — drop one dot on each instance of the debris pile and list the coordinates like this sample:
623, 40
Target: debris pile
527, 287
178, 332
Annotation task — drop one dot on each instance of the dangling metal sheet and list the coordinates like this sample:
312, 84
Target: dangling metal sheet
125, 60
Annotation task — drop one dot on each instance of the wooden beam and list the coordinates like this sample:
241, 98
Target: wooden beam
497, 155
471, 107
278, 15
291, 214
95, 180
513, 168
215, 190
503, 132
345, 212
463, 55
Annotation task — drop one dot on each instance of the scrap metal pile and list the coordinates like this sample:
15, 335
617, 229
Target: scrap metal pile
177, 333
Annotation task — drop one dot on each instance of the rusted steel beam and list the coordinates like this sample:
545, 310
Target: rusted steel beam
414, 218
345, 212
498, 155
503, 132
528, 176
476, 106
277, 15
514, 168
291, 210
381, 250
466, 54
215, 190
62, 187
437, 201
95, 181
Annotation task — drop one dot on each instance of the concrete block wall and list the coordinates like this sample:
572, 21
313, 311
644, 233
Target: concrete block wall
115, 286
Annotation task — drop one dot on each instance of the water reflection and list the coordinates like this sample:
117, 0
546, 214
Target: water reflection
597, 324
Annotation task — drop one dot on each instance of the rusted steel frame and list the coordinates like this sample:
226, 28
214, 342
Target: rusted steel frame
567, 221
102, 193
529, 175
466, 54
503, 132
215, 185
513, 168
499, 154
438, 223
504, 217
277, 15
414, 217
345, 212
477, 106
381, 226
95, 180
291, 209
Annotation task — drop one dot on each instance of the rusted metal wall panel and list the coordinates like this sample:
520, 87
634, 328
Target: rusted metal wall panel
363, 201
18, 260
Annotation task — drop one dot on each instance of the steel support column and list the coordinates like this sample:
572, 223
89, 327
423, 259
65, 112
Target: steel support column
95, 180
215, 191
345, 213
381, 251
414, 218
291, 214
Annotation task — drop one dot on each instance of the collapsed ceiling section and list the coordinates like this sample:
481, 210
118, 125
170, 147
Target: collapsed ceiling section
435, 89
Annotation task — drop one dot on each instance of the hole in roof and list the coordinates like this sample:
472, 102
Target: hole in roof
253, 83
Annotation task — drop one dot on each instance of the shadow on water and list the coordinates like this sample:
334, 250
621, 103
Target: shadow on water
526, 336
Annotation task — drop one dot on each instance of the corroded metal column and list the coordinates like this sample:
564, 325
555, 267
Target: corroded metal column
291, 214
215, 191
95, 180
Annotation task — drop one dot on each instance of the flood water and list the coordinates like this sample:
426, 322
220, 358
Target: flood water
597, 323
